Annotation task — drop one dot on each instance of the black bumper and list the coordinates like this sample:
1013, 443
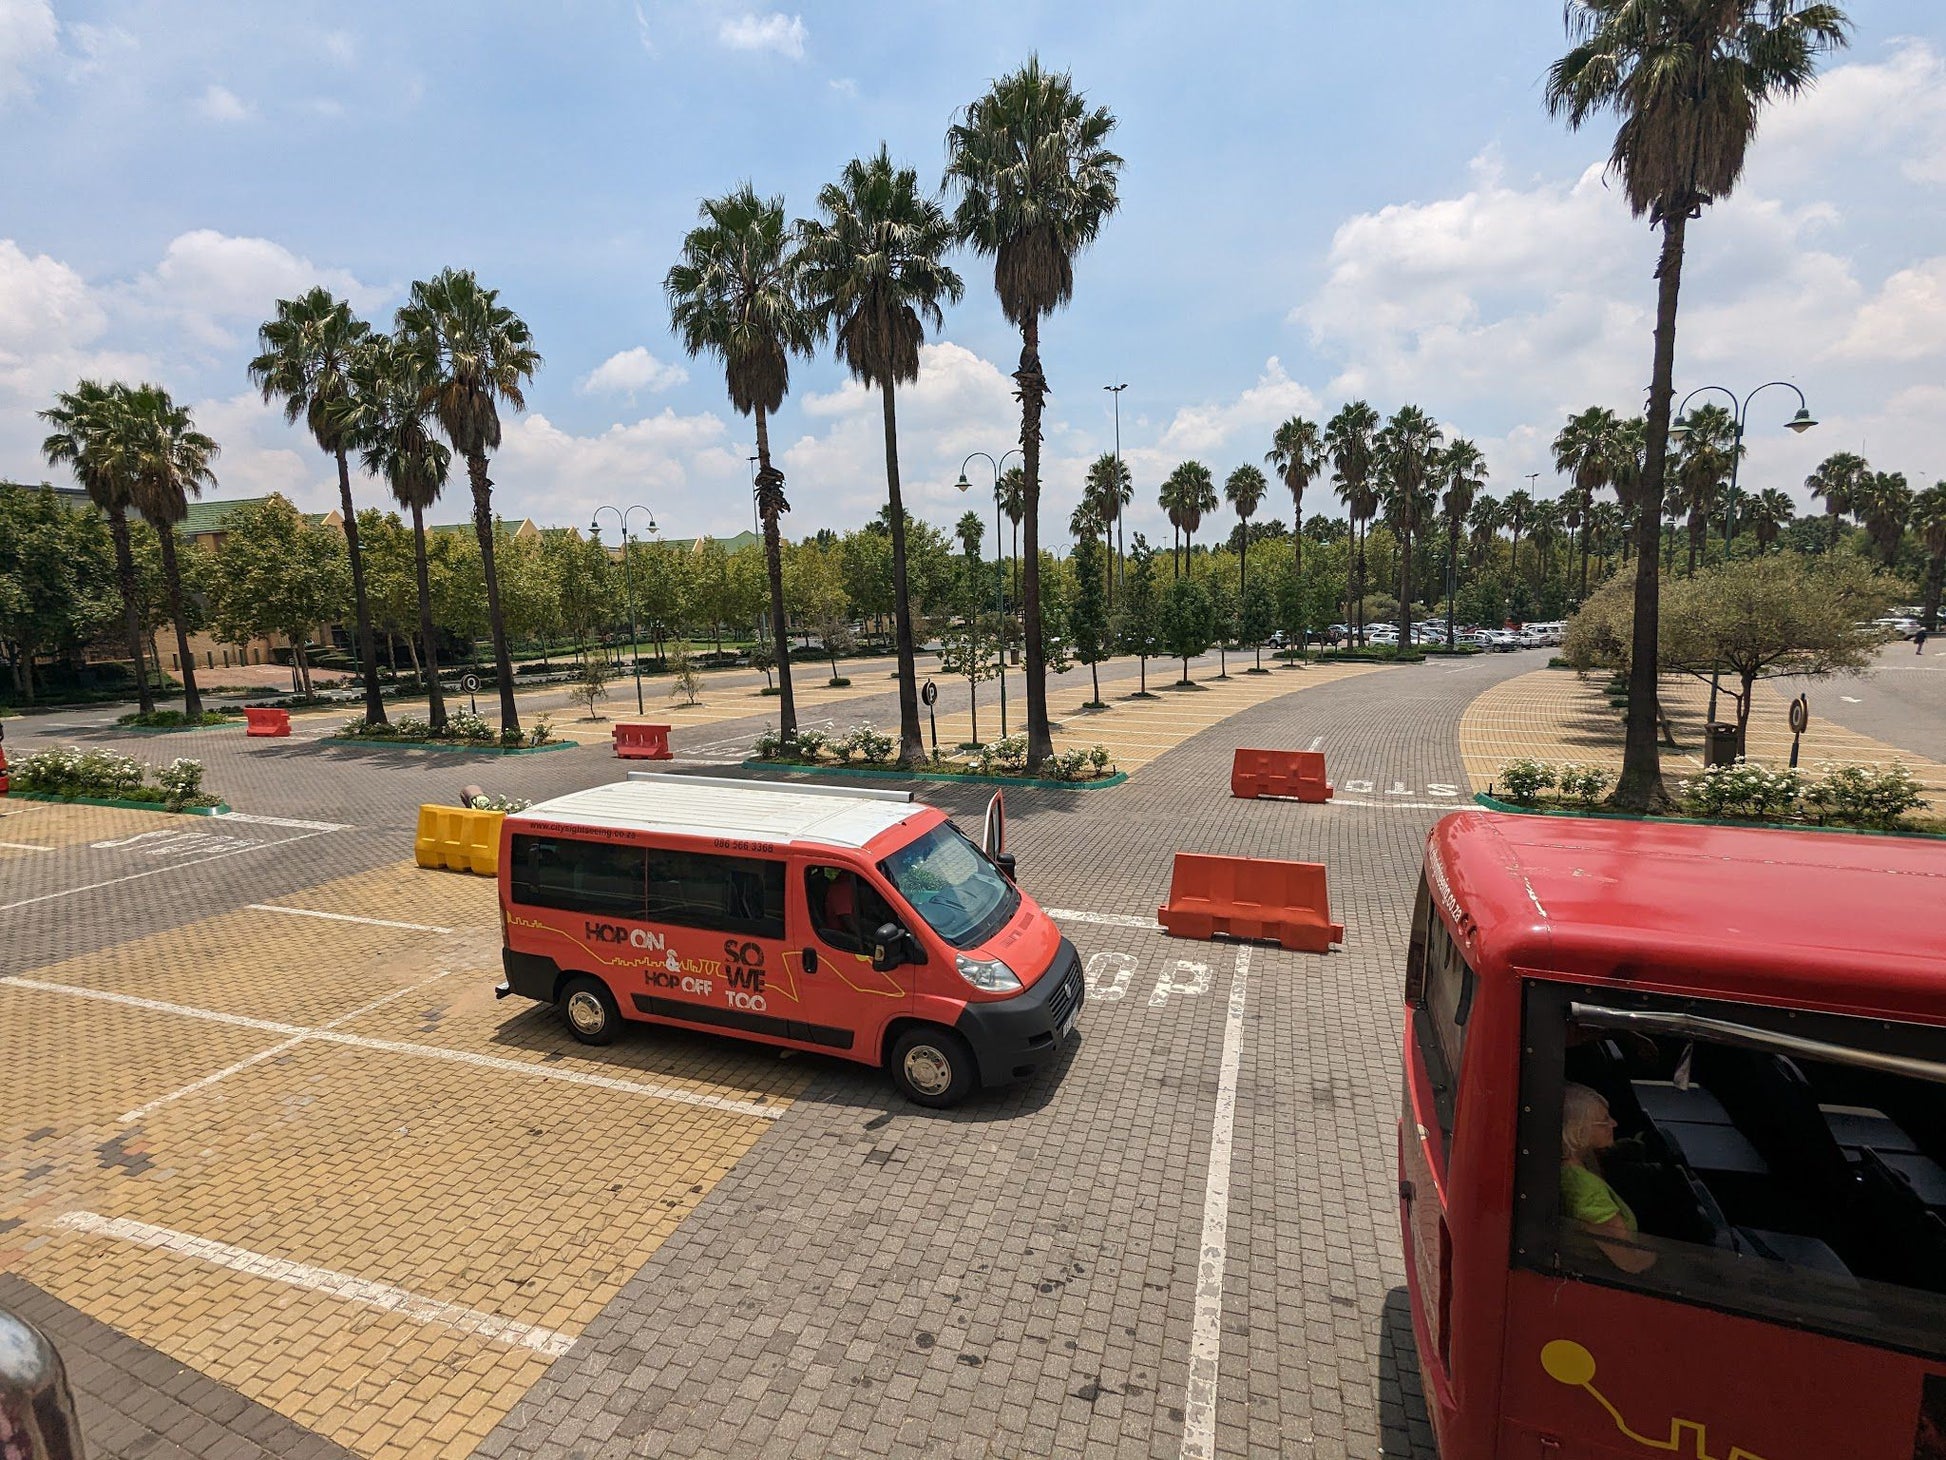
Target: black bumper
1014, 1038
530, 975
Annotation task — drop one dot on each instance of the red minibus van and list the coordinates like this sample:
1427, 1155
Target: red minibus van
1672, 1158
856, 923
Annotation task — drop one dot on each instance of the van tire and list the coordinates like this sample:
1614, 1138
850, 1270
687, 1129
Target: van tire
933, 1066
583, 998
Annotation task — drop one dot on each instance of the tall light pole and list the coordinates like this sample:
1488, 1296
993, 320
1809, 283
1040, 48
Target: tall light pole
1120, 541
1000, 586
628, 582
1739, 418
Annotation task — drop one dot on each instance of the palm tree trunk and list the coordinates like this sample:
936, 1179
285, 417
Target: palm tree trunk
192, 702
429, 664
1640, 786
1587, 512
912, 744
774, 563
1405, 588
367, 644
1452, 577
1243, 561
1033, 394
1935, 581
125, 579
1297, 531
476, 474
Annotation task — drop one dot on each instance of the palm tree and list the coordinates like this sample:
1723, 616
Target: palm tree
1519, 510
1769, 511
1836, 482
1464, 469
1198, 498
1244, 490
1688, 79
1585, 452
1010, 494
1408, 449
1709, 448
84, 440
1929, 521
168, 462
1348, 437
304, 357
1884, 502
737, 293
470, 352
1546, 519
1036, 181
1483, 526
1169, 498
875, 273
1110, 488
1297, 456
385, 414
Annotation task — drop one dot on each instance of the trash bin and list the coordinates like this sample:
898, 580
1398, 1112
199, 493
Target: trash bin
36, 1405
1719, 744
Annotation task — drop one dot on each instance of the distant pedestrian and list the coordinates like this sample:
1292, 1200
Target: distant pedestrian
1920, 639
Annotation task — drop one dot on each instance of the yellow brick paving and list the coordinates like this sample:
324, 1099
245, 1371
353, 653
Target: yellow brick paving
1553, 715
1136, 731
495, 1191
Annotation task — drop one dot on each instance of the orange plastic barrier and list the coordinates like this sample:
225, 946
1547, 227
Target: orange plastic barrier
1296, 773
267, 722
637, 741
1250, 897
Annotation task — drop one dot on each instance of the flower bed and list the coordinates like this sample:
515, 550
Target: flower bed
167, 720
462, 731
106, 777
865, 751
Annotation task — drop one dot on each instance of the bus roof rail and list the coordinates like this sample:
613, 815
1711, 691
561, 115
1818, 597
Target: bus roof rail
738, 783
1694, 1026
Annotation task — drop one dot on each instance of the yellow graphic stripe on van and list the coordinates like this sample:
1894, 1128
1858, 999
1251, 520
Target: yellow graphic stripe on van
1567, 1362
595, 953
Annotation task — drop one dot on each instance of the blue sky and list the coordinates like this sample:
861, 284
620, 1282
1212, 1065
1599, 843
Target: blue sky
1319, 201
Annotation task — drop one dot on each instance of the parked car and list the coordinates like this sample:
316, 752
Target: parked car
1897, 626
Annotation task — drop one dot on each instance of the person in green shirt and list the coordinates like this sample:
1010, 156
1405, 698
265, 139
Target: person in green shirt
1587, 1129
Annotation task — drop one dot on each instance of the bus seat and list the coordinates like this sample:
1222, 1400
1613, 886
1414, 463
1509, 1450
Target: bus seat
1603, 1068
1856, 1126
1772, 1104
1663, 1100
1900, 1240
1797, 1250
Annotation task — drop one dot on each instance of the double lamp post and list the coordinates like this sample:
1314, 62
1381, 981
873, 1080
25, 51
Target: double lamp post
628, 581
1000, 585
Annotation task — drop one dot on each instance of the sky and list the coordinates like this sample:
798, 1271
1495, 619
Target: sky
1319, 202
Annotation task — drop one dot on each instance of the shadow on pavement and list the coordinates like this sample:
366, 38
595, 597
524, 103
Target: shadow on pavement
1403, 1426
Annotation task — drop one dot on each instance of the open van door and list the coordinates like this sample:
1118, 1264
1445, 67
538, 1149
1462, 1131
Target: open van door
993, 836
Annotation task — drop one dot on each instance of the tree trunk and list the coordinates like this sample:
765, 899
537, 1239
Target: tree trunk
1452, 578
1640, 787
1033, 393
912, 742
476, 473
367, 644
1094, 677
774, 563
1587, 512
1297, 531
192, 702
131, 622
1405, 589
1935, 580
1243, 562
429, 663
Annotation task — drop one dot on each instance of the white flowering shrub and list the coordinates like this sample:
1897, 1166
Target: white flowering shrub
1743, 789
1582, 784
1861, 795
1523, 780
181, 782
107, 775
863, 740
500, 803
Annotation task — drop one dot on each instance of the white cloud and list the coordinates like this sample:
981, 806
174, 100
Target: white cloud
341, 46
642, 30
844, 86
1905, 321
28, 32
675, 465
784, 34
262, 454
1205, 430
220, 104
212, 283
630, 371
1895, 108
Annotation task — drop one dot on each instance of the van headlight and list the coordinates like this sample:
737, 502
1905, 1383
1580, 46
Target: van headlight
989, 975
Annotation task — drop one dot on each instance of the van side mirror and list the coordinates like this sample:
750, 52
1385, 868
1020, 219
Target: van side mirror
890, 947
1005, 862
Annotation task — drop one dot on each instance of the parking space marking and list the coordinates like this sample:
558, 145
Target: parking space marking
1206, 1332
1110, 920
1188, 977
24, 847
156, 871
363, 1291
1318, 744
308, 912
251, 820
325, 1035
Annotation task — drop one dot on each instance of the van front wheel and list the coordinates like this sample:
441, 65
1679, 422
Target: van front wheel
590, 1010
932, 1066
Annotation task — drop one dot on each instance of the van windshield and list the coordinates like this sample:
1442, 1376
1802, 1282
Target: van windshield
952, 885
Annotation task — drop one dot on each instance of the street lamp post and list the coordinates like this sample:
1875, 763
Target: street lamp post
1000, 586
628, 583
1120, 566
1739, 418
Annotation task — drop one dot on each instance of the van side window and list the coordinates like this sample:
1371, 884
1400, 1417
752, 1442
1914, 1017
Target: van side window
846, 910
1439, 987
1783, 1164
723, 894
578, 876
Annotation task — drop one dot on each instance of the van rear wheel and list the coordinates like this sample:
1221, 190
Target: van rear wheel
933, 1066
590, 1010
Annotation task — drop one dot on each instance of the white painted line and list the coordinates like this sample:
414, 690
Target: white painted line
1318, 744
281, 821
1851, 699
421, 1051
1206, 1331
1109, 920
1453, 805
307, 912
154, 872
364, 1291
24, 847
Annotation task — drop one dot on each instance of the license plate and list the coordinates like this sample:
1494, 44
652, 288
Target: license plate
1067, 1025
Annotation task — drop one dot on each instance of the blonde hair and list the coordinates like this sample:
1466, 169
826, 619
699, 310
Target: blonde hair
1581, 1109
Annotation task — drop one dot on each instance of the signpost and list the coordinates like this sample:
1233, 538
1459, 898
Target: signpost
929, 695
471, 684
1800, 721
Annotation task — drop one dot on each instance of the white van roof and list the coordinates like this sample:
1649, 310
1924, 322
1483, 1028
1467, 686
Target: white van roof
700, 806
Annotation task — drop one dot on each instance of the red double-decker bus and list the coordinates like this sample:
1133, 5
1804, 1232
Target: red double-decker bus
1672, 1156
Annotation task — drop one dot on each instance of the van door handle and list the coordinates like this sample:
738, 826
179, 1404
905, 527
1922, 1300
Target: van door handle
1405, 1192
810, 960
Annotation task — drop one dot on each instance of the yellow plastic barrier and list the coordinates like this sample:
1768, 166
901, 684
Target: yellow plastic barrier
466, 841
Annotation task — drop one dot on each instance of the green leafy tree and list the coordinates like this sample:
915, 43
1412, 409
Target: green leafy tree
393, 594
1769, 513
305, 358
1257, 620
1408, 456
1588, 452
1110, 488
57, 580
1883, 503
1462, 469
973, 654
168, 461
1138, 619
1688, 80
1088, 622
737, 293
589, 682
469, 352
814, 582
1225, 611
1244, 490
1929, 521
1188, 622
1036, 182
275, 573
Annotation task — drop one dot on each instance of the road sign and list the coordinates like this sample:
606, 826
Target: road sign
471, 683
1800, 722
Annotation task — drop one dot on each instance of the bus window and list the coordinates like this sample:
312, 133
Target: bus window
846, 910
1439, 988
1786, 1165
578, 876
723, 894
